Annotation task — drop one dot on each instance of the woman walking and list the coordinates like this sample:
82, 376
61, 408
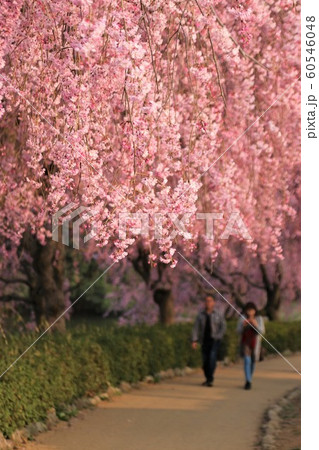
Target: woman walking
250, 326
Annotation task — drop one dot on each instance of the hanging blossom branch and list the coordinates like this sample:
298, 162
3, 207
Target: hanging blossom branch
222, 93
153, 137
241, 50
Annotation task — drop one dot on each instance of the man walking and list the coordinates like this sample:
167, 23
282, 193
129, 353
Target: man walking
209, 329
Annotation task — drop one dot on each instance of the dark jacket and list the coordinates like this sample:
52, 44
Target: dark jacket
218, 326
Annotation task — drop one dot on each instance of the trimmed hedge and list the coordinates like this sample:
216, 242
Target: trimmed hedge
282, 335
85, 359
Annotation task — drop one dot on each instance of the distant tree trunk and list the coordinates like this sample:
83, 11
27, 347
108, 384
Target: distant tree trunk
46, 277
165, 301
48, 295
157, 280
273, 303
273, 292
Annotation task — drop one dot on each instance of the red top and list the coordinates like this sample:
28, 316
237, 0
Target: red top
249, 337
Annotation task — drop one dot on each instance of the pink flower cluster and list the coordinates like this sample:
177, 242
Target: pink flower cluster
122, 105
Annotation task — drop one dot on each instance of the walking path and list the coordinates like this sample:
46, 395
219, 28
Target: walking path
180, 414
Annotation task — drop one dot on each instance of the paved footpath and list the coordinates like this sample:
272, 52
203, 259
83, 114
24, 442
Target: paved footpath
180, 414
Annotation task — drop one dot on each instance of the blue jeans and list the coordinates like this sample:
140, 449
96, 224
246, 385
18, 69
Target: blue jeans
209, 356
249, 366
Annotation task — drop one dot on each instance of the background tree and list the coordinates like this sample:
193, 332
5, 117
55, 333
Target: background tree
122, 106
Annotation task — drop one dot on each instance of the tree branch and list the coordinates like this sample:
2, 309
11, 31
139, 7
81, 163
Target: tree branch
251, 283
214, 57
233, 292
236, 43
15, 280
141, 265
14, 298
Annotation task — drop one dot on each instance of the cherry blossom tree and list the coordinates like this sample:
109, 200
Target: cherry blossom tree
145, 107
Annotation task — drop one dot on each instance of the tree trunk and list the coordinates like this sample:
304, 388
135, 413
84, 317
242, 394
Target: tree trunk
273, 291
273, 303
165, 301
158, 281
46, 276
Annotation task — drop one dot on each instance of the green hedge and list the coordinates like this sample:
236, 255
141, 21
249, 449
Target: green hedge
62, 367
282, 335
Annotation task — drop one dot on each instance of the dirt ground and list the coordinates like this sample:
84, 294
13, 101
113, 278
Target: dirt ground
289, 437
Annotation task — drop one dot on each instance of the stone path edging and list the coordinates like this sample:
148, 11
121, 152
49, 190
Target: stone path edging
271, 427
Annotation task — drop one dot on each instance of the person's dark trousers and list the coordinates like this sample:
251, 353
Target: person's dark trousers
209, 355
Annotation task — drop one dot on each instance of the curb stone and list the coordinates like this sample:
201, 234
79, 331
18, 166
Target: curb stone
5, 444
104, 396
82, 403
95, 400
125, 387
113, 391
